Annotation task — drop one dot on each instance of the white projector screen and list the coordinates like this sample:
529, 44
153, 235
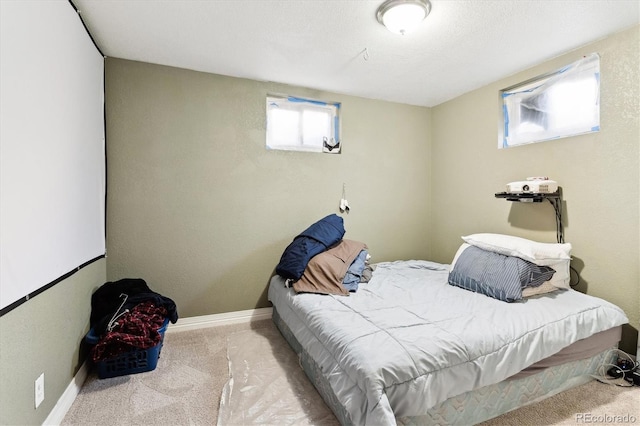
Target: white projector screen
52, 148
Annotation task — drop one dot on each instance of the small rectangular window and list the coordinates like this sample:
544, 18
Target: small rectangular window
297, 124
556, 105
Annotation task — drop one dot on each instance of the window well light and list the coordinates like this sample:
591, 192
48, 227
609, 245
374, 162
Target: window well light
402, 16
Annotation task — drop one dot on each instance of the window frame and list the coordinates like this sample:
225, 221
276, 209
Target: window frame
513, 101
331, 143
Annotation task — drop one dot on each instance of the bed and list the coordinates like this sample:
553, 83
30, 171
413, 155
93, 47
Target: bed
409, 348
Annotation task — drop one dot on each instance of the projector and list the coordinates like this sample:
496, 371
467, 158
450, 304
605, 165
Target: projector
533, 186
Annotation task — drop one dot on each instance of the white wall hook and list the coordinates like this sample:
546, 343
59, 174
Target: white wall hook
344, 204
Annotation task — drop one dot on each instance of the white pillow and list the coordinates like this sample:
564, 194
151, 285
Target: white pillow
561, 279
543, 254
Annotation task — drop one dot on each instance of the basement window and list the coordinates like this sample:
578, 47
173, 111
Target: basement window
298, 124
563, 103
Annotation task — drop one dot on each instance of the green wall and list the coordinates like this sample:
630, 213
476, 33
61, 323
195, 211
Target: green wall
599, 174
45, 334
202, 211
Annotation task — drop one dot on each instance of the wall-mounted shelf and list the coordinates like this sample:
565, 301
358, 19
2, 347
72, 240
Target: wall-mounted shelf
555, 198
528, 197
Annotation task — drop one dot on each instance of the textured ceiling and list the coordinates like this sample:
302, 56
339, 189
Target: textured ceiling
320, 44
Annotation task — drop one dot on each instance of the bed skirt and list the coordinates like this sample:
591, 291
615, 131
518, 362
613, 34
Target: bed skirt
471, 407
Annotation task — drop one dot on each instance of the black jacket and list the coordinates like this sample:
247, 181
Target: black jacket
106, 301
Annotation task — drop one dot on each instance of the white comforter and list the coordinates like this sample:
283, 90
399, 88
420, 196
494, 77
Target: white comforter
407, 340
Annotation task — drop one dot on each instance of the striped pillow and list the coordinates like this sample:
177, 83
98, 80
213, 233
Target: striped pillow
496, 275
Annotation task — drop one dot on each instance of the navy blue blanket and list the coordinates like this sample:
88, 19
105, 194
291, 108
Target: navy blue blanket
317, 238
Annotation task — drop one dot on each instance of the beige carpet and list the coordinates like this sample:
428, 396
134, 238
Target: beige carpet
187, 387
184, 389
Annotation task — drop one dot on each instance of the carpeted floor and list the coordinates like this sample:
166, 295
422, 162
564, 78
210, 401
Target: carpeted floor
189, 382
184, 389
262, 391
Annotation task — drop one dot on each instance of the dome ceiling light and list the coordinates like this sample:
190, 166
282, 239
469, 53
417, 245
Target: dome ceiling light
402, 16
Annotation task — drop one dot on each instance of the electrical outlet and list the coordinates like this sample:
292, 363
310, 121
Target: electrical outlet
39, 390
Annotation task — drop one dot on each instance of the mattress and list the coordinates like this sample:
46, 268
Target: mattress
477, 405
407, 341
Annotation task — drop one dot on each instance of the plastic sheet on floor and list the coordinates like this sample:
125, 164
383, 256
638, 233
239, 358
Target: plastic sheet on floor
267, 386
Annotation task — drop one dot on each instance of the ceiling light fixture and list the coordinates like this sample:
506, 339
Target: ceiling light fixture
402, 16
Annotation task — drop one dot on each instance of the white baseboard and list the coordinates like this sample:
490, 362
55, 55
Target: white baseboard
193, 323
69, 395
